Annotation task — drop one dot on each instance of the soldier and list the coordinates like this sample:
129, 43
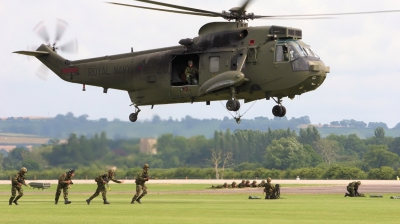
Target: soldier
233, 185
262, 184
352, 188
225, 185
269, 189
16, 185
247, 184
64, 182
254, 184
140, 181
242, 184
103, 180
191, 72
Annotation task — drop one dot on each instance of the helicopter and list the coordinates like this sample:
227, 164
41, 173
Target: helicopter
234, 61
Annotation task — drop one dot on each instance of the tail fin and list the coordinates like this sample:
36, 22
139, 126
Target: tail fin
48, 57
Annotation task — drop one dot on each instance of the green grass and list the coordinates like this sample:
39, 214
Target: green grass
38, 207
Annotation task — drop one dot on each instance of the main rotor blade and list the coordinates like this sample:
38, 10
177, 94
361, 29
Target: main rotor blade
165, 10
243, 7
179, 7
327, 14
70, 47
61, 26
41, 30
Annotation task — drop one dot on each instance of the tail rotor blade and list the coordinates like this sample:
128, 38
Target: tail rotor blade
41, 30
42, 72
61, 27
70, 47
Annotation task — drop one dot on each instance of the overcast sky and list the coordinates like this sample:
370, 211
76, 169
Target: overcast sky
363, 52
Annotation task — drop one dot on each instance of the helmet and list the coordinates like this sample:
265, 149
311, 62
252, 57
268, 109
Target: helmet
358, 182
263, 181
111, 170
247, 181
225, 183
146, 166
254, 181
234, 182
23, 170
190, 62
71, 171
243, 181
269, 179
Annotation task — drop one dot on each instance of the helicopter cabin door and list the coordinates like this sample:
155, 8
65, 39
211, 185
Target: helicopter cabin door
179, 64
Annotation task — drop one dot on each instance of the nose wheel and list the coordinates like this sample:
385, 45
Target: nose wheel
133, 116
278, 110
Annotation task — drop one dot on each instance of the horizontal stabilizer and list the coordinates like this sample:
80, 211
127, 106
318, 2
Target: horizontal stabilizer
32, 53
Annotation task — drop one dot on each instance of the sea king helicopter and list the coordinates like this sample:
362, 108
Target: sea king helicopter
233, 62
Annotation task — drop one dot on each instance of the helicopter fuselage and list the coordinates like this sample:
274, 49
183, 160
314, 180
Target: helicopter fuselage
233, 61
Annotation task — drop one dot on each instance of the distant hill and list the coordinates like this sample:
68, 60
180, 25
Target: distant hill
62, 125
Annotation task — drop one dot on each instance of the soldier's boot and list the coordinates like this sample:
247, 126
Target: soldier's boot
106, 202
56, 201
16, 199
346, 194
11, 201
88, 201
66, 201
133, 199
138, 199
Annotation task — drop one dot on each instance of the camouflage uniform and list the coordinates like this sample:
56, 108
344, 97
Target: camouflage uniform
190, 73
254, 184
63, 184
140, 181
103, 180
247, 183
225, 185
262, 184
16, 186
233, 185
269, 189
242, 184
352, 188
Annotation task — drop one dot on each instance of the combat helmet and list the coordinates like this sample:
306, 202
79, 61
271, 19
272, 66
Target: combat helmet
146, 166
269, 179
358, 183
263, 181
254, 182
243, 181
190, 62
111, 170
23, 170
71, 171
234, 183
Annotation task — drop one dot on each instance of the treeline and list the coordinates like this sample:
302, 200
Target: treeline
62, 125
228, 154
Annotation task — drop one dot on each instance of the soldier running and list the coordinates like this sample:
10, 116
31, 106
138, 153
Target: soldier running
16, 185
64, 183
140, 184
103, 180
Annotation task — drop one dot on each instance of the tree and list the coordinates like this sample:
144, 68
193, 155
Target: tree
309, 135
394, 146
379, 156
286, 153
327, 149
216, 158
379, 135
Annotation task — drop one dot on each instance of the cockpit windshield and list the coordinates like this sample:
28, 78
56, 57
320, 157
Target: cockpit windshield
296, 52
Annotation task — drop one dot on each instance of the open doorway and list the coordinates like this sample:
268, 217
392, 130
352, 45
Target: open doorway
179, 64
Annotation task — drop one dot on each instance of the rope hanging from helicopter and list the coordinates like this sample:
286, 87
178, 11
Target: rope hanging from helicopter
237, 113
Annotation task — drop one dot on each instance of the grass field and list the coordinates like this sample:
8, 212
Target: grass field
176, 203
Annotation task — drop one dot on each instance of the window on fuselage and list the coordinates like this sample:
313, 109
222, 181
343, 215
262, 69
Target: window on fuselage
281, 53
214, 64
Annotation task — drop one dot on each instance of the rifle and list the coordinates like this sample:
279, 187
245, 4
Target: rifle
22, 181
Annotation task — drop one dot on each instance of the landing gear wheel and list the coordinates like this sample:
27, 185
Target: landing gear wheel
231, 105
277, 110
237, 105
133, 117
283, 111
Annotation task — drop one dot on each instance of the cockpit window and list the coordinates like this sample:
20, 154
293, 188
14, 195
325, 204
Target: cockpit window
281, 53
309, 52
